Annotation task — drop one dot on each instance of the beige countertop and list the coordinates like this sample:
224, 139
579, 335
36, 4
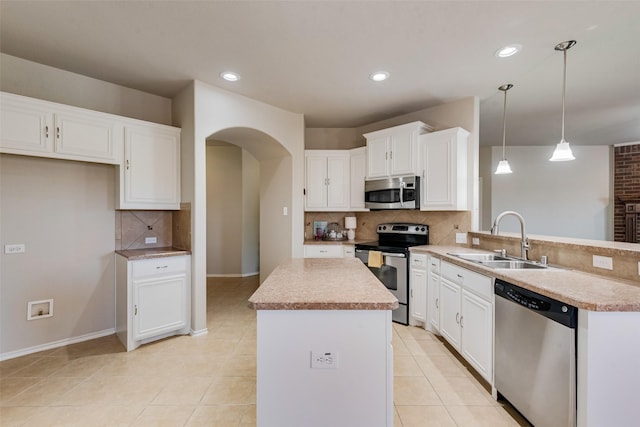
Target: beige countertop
583, 290
138, 254
333, 242
322, 284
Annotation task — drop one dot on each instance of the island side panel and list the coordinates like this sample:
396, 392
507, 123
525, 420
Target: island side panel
358, 392
608, 368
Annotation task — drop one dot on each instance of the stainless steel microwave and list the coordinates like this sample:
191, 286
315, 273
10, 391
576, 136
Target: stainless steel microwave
400, 192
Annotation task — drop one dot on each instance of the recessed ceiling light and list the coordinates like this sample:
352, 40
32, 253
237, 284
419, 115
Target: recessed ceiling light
507, 51
379, 76
230, 76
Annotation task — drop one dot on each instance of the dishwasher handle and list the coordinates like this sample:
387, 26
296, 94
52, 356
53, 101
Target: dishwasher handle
550, 308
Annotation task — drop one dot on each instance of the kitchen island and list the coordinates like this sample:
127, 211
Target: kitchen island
324, 354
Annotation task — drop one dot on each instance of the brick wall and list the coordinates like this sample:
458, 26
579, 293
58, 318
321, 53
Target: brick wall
626, 185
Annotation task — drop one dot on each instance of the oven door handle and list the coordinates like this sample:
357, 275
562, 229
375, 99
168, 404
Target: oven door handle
392, 255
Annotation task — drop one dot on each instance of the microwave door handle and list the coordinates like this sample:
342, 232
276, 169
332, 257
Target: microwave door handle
402, 194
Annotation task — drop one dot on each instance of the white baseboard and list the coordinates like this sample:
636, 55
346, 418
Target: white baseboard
234, 275
56, 344
199, 332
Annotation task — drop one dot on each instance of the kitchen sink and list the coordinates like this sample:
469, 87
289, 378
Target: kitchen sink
499, 261
481, 257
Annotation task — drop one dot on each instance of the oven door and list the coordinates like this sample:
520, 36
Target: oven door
394, 276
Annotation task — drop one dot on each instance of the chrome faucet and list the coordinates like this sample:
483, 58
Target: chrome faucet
524, 242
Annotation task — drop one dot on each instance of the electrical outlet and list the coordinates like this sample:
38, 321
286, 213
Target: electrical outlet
461, 237
324, 360
15, 249
149, 240
285, 211
605, 262
475, 241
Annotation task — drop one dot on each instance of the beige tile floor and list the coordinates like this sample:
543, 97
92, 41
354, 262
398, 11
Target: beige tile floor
210, 380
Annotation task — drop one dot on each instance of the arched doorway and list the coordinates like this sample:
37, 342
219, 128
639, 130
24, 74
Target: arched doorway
250, 245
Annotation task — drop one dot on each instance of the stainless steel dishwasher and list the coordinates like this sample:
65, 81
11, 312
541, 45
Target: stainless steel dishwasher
535, 355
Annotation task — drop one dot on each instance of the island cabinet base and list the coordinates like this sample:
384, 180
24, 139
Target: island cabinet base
356, 391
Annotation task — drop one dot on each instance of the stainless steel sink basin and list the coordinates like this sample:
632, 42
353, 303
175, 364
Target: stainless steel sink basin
498, 261
513, 264
481, 257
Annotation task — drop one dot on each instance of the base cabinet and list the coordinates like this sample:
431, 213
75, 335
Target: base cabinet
418, 289
325, 251
466, 315
152, 299
433, 295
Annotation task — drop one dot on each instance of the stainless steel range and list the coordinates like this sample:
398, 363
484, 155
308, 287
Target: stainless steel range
391, 267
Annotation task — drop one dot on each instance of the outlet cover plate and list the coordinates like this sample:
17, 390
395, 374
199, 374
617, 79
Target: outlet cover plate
15, 249
149, 240
324, 360
461, 237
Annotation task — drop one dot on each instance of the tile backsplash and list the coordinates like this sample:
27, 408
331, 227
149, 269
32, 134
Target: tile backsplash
443, 225
170, 228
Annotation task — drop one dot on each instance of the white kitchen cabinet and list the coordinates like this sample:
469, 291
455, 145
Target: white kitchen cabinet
433, 295
418, 289
348, 251
444, 165
327, 180
149, 177
358, 171
46, 129
394, 151
324, 251
466, 315
152, 299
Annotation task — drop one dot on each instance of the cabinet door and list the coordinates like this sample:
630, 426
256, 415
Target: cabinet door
377, 155
151, 168
433, 302
450, 312
476, 324
159, 306
27, 126
358, 171
444, 170
338, 181
418, 285
402, 156
88, 135
316, 182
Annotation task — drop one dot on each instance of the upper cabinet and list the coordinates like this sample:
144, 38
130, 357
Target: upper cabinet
149, 176
444, 165
358, 157
40, 128
327, 180
393, 151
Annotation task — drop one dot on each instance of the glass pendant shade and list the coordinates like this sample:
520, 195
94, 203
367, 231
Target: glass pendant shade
503, 168
503, 165
563, 152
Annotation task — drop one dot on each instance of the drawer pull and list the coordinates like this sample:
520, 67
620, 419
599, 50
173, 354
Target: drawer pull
461, 324
437, 302
161, 267
460, 276
135, 310
458, 318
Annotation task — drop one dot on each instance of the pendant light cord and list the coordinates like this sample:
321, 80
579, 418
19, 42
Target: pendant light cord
564, 89
504, 124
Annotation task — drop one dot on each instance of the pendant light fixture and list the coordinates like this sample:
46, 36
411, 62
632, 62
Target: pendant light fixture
503, 166
563, 152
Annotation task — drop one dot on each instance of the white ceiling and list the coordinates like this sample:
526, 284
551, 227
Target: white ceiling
314, 57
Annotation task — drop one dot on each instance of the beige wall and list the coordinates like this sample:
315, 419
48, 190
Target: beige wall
63, 212
28, 78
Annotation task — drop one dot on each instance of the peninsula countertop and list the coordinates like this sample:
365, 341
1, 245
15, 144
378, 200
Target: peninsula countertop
149, 253
583, 290
322, 284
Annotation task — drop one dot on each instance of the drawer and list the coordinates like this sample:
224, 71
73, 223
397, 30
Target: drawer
156, 266
470, 280
323, 251
349, 250
418, 261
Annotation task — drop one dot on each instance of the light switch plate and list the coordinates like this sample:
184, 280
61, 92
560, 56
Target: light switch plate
475, 241
14, 249
461, 237
605, 262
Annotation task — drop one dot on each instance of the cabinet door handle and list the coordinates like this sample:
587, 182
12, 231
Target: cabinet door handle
461, 323
411, 293
460, 276
135, 310
46, 132
328, 181
458, 318
437, 302
58, 132
391, 155
127, 162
